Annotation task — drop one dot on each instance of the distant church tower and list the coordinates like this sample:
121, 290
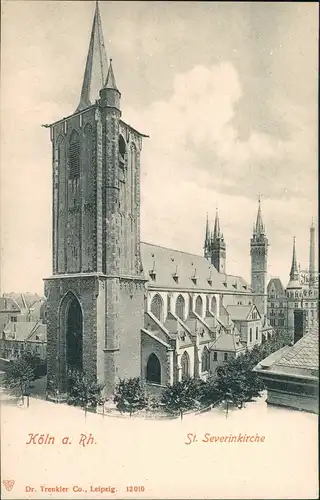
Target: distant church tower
294, 292
259, 263
95, 298
215, 249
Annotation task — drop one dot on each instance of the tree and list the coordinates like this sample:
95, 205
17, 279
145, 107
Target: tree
231, 383
84, 391
129, 396
182, 396
37, 364
19, 375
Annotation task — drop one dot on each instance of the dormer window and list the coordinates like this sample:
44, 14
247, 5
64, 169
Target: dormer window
183, 336
175, 274
194, 276
152, 274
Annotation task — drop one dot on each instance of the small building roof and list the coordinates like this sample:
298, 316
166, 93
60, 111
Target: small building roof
227, 342
24, 300
278, 287
301, 359
8, 304
25, 330
241, 312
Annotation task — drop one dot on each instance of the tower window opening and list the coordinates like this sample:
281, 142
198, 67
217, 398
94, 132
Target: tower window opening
74, 156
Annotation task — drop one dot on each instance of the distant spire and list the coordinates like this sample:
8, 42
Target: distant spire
207, 228
294, 273
312, 251
207, 240
111, 81
96, 65
216, 232
259, 229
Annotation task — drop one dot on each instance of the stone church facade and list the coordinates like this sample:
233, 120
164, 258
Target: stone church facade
118, 307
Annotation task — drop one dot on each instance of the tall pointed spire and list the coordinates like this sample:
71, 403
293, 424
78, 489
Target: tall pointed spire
312, 251
207, 240
259, 224
111, 81
207, 228
216, 232
294, 272
96, 66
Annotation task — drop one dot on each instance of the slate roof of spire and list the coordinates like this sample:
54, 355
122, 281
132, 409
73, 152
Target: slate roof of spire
207, 230
96, 65
216, 232
111, 81
294, 272
259, 229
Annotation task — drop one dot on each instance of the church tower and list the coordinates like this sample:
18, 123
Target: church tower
218, 247
97, 281
215, 246
259, 263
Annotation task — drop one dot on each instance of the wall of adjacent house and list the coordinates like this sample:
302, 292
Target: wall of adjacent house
151, 346
220, 359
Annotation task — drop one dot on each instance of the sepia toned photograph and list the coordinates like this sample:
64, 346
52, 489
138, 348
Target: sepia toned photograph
159, 275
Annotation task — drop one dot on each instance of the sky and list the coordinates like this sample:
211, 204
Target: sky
226, 91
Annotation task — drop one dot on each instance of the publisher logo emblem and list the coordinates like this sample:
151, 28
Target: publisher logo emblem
8, 484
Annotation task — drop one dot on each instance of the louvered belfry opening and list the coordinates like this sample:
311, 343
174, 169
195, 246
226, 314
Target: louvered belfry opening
74, 157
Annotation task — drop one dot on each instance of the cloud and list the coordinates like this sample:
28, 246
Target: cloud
196, 128
195, 159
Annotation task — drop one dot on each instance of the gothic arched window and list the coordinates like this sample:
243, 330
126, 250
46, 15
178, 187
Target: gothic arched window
214, 305
156, 307
199, 305
153, 369
185, 364
74, 156
122, 151
180, 307
205, 359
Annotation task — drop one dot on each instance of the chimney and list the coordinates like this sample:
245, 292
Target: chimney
300, 323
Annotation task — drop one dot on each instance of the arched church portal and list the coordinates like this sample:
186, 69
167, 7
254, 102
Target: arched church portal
74, 334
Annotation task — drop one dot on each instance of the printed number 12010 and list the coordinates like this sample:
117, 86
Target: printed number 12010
135, 489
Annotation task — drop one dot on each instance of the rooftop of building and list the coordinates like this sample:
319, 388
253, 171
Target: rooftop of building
25, 300
176, 269
8, 304
228, 342
276, 285
242, 312
25, 331
301, 359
